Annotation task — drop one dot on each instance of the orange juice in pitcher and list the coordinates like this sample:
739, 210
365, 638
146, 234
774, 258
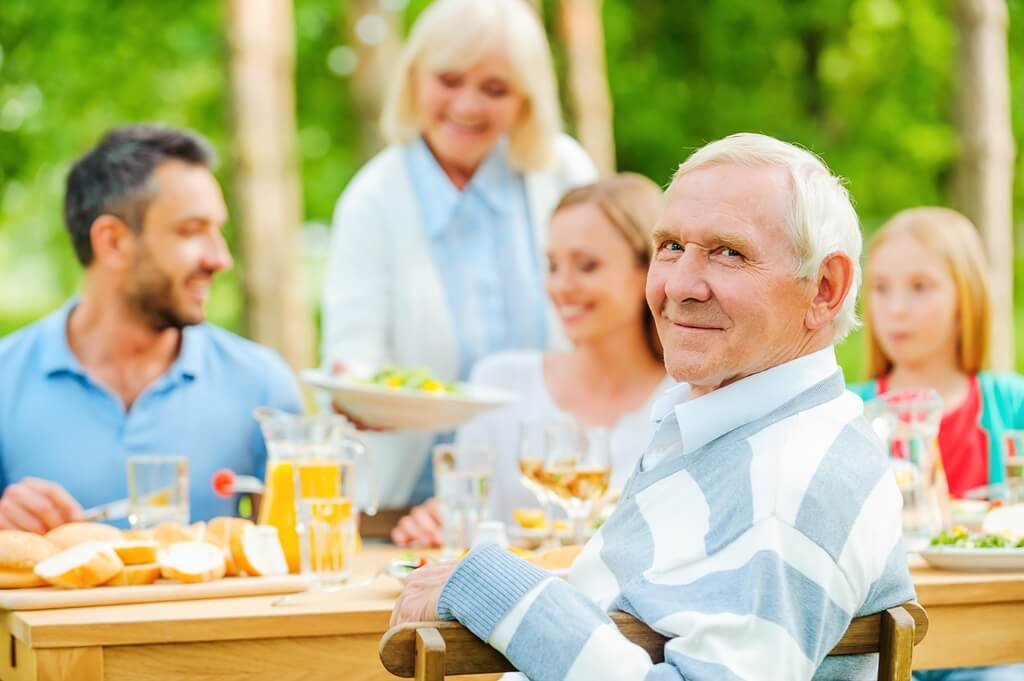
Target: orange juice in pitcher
306, 456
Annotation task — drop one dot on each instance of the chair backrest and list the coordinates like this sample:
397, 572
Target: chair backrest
429, 651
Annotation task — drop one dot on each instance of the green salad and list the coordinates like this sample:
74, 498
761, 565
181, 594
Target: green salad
418, 378
959, 537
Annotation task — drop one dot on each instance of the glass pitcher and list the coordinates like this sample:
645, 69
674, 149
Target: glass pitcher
321, 443
907, 421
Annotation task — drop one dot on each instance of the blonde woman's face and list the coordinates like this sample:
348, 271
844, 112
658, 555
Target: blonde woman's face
913, 302
464, 113
594, 279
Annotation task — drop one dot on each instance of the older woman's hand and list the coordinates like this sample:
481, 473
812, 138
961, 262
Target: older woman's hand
421, 528
423, 587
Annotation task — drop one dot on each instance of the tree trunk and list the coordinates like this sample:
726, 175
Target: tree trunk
984, 183
589, 95
261, 36
376, 38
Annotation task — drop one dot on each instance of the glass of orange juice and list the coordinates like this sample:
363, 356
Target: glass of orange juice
325, 490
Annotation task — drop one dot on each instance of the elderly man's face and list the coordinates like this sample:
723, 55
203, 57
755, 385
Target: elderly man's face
721, 282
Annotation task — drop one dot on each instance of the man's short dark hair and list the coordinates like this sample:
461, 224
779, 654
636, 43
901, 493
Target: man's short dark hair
114, 177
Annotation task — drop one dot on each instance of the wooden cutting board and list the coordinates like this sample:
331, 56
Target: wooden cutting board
45, 598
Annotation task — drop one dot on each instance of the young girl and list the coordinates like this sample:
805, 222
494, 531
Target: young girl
598, 252
927, 313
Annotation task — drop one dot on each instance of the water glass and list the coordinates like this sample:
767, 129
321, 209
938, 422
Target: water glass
462, 484
326, 519
157, 490
1013, 465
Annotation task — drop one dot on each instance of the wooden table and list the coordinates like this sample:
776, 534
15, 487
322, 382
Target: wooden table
975, 619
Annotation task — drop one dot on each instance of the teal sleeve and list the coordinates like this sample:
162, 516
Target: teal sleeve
865, 390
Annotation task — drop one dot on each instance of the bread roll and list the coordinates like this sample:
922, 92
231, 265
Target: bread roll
168, 533
81, 566
257, 550
135, 575
136, 552
72, 534
220, 532
20, 552
193, 562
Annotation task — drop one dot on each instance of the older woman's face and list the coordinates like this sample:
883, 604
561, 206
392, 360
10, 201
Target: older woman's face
463, 113
721, 282
912, 302
594, 279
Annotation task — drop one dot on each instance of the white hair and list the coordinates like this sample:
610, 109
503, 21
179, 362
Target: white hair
821, 219
456, 34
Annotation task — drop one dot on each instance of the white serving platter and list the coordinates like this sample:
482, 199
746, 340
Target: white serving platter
407, 408
963, 559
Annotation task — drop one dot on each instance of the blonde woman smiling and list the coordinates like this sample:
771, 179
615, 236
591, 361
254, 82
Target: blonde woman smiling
437, 252
598, 253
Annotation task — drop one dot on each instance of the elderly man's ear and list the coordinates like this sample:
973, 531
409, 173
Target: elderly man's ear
835, 277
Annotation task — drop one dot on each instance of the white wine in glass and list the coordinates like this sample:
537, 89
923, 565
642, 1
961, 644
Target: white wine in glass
577, 470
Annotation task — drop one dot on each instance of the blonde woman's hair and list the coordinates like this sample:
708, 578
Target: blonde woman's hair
951, 237
821, 218
632, 204
456, 34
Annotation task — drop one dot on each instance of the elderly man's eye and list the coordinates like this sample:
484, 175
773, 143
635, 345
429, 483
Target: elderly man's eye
731, 253
670, 246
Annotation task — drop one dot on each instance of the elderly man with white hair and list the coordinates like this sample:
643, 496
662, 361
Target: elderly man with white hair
762, 517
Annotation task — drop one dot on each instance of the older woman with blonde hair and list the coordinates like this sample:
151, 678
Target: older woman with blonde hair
437, 254
928, 314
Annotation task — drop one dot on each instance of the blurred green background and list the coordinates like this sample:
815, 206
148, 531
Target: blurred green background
868, 84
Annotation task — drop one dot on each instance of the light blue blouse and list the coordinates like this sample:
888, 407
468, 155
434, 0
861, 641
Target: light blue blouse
483, 244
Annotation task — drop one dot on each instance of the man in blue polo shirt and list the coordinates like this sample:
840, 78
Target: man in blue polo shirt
130, 367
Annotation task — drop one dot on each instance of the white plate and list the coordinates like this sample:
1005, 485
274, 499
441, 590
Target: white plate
974, 560
395, 408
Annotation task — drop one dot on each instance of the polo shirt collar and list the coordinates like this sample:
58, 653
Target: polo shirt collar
55, 353
56, 356
710, 416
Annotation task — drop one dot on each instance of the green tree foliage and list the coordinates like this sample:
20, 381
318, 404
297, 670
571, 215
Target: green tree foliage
867, 84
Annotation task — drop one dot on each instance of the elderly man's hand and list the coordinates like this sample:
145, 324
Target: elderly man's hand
423, 587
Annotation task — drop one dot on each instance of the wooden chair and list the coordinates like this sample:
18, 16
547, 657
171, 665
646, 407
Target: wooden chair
428, 651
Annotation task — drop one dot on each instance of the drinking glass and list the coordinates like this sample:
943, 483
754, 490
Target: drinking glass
577, 470
1013, 465
462, 485
157, 490
532, 443
325, 488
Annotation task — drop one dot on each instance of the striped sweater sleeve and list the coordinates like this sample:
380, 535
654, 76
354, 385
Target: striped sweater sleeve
769, 606
546, 628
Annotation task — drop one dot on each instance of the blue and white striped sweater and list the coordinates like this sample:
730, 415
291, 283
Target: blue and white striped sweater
752, 553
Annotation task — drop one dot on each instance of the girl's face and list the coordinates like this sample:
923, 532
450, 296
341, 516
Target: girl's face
913, 303
464, 113
594, 278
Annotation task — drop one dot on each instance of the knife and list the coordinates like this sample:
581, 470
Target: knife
108, 511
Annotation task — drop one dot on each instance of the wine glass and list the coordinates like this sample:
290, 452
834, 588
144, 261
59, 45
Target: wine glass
532, 443
577, 470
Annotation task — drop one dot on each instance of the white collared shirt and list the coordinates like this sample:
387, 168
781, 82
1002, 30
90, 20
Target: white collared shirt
706, 418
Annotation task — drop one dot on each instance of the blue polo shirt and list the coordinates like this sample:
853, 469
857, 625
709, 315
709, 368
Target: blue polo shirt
59, 424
